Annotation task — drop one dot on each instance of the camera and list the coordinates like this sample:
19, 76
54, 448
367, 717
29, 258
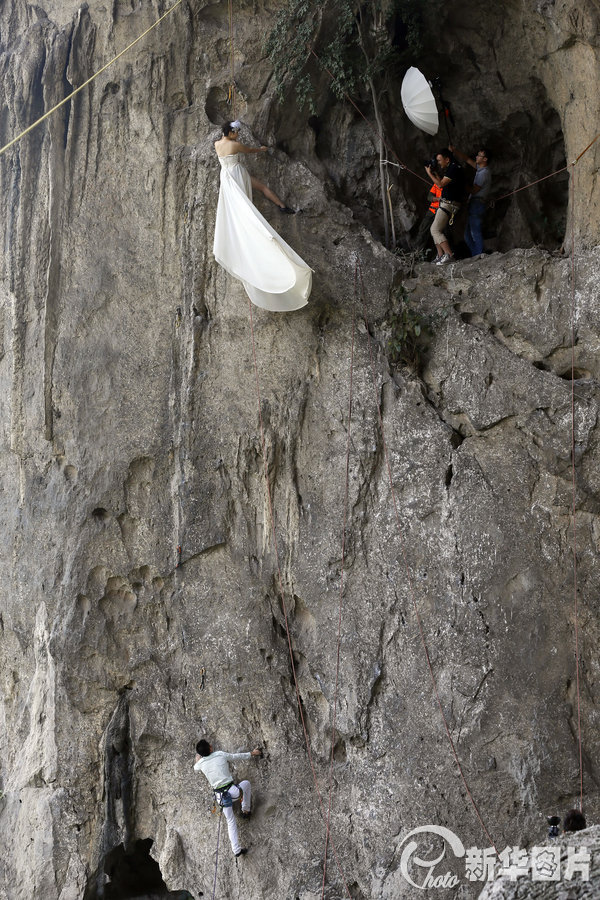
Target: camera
553, 822
432, 163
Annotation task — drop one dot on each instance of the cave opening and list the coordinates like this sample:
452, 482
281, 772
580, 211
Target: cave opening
497, 98
131, 875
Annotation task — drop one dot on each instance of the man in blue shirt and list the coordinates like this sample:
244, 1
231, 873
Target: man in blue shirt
480, 191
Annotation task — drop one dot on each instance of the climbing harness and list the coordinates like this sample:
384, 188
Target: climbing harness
222, 796
450, 208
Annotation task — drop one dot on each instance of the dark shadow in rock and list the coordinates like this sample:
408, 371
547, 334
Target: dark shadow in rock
523, 136
575, 375
125, 876
218, 107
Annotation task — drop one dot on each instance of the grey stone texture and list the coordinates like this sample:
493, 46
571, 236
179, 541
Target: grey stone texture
130, 428
578, 886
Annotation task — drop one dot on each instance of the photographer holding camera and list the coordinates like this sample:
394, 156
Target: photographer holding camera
433, 198
451, 180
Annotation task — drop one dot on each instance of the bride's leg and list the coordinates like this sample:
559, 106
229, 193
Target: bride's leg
259, 186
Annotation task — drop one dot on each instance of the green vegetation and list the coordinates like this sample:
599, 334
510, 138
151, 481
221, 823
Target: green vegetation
361, 45
410, 330
358, 43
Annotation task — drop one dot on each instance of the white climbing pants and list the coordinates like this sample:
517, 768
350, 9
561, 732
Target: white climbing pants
235, 792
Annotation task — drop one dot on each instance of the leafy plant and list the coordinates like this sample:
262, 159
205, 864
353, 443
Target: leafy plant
358, 43
410, 330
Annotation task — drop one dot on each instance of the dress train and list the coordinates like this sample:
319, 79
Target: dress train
273, 275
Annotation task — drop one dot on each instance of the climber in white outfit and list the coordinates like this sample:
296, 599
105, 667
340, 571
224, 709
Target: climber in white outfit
215, 766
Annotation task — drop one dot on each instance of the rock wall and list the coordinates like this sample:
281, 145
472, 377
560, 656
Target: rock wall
519, 79
130, 428
570, 845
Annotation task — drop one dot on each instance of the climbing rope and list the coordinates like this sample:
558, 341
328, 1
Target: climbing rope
409, 578
339, 632
403, 165
573, 484
89, 80
231, 92
531, 184
572, 167
551, 175
378, 134
591, 143
283, 603
217, 853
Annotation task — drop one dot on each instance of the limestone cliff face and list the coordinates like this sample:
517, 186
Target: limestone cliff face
583, 844
130, 428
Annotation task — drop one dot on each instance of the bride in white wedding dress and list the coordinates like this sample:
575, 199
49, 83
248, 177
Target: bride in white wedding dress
274, 276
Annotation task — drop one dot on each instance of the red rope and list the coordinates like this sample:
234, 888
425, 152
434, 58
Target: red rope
217, 854
575, 603
420, 177
339, 633
231, 97
551, 175
531, 183
591, 143
408, 573
283, 603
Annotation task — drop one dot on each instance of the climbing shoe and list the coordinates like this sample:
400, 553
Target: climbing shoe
242, 851
288, 210
246, 814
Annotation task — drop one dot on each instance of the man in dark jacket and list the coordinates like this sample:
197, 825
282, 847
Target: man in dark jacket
450, 178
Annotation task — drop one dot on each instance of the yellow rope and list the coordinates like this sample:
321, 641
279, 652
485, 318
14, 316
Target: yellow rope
85, 83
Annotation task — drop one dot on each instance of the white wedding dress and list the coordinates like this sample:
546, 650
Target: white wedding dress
274, 276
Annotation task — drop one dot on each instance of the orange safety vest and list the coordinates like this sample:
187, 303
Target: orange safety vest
437, 193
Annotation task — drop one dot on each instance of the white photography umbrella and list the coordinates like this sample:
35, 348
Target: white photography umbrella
418, 101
